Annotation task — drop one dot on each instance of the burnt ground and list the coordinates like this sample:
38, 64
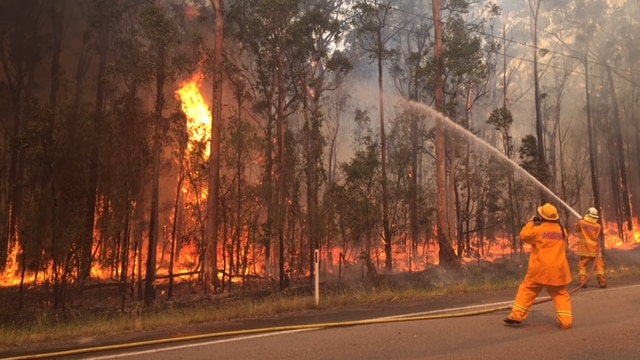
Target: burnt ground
106, 299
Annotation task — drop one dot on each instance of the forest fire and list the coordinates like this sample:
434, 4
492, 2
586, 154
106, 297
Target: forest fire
186, 258
11, 277
613, 239
197, 111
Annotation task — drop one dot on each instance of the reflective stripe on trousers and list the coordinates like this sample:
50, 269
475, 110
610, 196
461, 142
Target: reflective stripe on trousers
526, 296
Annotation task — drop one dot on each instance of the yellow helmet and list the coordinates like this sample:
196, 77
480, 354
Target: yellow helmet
592, 212
548, 212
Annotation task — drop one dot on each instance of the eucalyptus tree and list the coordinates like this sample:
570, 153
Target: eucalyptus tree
212, 281
106, 15
160, 34
357, 205
372, 21
129, 157
534, 8
501, 119
403, 171
445, 254
625, 28
326, 70
467, 71
609, 54
31, 41
587, 30
408, 71
21, 50
273, 37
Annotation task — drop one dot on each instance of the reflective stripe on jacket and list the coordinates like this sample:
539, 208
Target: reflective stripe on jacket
588, 232
548, 263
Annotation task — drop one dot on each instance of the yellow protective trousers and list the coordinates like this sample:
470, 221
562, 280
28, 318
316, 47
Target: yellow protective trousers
526, 296
582, 268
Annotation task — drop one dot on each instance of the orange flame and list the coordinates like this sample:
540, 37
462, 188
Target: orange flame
11, 274
197, 111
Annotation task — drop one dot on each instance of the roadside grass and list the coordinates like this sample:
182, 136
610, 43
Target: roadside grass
386, 288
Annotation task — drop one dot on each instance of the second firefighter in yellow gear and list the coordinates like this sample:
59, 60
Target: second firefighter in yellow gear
548, 268
589, 231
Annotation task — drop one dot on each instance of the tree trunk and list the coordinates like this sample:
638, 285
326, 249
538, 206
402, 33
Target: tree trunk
413, 190
386, 227
313, 151
623, 187
446, 255
534, 6
592, 145
94, 157
150, 276
281, 132
214, 158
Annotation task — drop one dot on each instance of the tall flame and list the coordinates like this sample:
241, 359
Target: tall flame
197, 111
11, 275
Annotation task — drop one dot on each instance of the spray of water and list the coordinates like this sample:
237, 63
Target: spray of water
478, 141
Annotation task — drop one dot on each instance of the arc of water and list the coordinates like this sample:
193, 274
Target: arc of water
471, 136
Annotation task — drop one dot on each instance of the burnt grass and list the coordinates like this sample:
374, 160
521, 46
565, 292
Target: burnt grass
106, 300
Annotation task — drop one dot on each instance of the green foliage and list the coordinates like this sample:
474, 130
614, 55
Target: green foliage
529, 159
501, 119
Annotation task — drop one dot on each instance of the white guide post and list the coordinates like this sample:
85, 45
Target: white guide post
316, 271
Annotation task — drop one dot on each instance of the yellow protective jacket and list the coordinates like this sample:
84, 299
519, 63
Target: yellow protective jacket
548, 264
588, 231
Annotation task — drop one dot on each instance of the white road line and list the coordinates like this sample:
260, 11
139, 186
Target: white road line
186, 346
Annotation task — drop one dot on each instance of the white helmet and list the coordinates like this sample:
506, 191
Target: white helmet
593, 212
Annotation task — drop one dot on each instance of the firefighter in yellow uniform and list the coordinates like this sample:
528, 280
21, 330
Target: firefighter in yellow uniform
548, 268
589, 230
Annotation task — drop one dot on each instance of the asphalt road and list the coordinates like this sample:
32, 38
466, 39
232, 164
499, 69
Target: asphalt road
606, 323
